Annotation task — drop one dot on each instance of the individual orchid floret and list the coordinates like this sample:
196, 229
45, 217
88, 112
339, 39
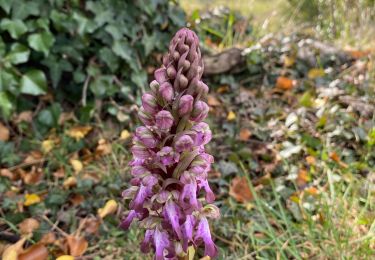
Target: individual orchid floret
149, 103
186, 105
169, 193
164, 120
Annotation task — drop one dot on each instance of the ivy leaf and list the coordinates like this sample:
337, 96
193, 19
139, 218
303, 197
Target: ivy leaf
18, 54
6, 5
34, 82
6, 106
15, 27
41, 42
2, 46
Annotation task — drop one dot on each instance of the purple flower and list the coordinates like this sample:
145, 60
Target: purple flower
203, 233
185, 105
170, 166
146, 136
150, 103
200, 111
183, 143
166, 91
161, 243
168, 156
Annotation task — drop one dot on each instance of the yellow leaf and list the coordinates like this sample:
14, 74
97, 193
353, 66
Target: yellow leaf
4, 133
124, 134
289, 61
315, 73
12, 252
231, 116
65, 257
47, 145
104, 148
77, 165
109, 208
70, 182
31, 199
78, 132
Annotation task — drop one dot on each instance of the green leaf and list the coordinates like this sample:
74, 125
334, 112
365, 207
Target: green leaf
6, 5
14, 27
34, 82
41, 42
6, 105
2, 47
18, 54
123, 50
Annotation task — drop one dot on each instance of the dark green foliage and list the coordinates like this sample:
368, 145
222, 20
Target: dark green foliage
61, 46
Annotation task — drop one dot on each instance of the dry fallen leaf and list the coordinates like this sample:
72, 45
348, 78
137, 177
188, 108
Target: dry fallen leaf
59, 173
109, 208
4, 133
239, 189
32, 177
103, 148
48, 238
70, 182
213, 101
12, 252
25, 116
77, 245
65, 257
7, 173
310, 160
284, 83
33, 156
28, 225
77, 165
76, 199
124, 134
31, 199
245, 134
303, 178
92, 225
34, 252
78, 132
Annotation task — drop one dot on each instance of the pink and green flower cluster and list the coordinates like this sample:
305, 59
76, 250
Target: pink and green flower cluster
169, 194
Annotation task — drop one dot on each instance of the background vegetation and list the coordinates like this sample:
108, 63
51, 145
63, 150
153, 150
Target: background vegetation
293, 123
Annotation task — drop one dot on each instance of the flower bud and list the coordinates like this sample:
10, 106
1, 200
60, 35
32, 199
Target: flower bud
161, 75
183, 81
146, 136
202, 89
166, 91
154, 86
183, 143
146, 118
200, 111
150, 103
164, 120
185, 105
171, 72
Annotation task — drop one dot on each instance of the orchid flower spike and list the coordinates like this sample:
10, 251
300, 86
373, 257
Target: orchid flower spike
169, 193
